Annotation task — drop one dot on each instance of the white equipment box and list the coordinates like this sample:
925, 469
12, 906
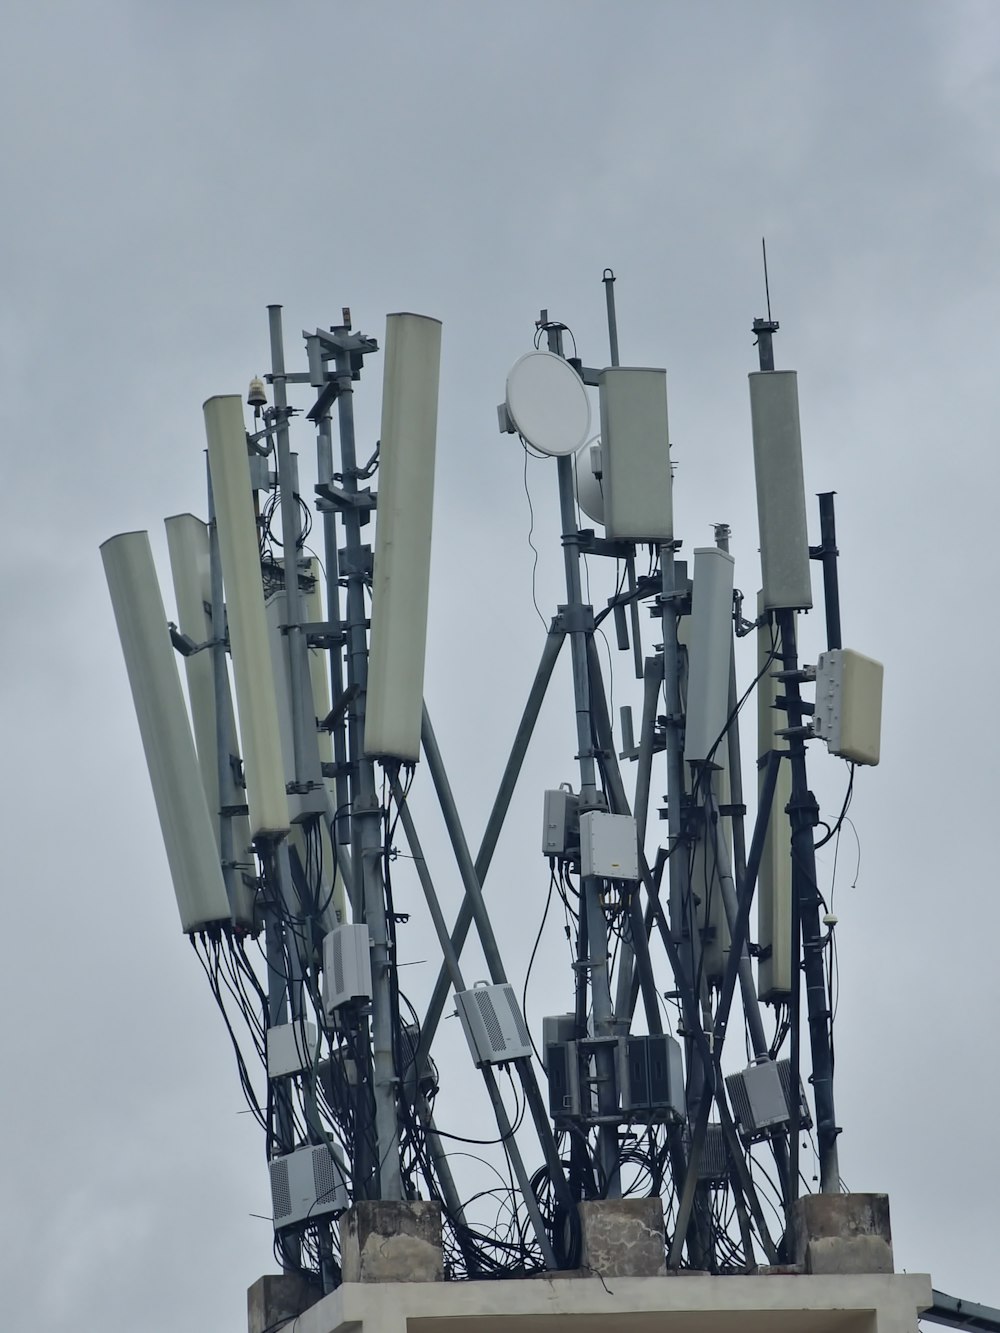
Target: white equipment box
290, 1048
347, 967
849, 705
493, 1024
609, 845
308, 1184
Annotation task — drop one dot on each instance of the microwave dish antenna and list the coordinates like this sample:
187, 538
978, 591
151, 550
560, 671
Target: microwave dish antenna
548, 404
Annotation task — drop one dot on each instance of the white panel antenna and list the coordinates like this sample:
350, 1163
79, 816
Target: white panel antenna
188, 836
314, 610
637, 484
849, 704
774, 879
548, 404
709, 655
276, 613
493, 1025
188, 546
255, 695
394, 705
706, 890
781, 497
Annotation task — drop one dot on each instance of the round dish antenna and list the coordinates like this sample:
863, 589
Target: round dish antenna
589, 487
547, 403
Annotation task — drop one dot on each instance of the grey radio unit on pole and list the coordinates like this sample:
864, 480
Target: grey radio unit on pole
307, 1184
347, 967
493, 1024
761, 1098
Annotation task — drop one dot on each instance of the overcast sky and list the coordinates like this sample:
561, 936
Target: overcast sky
170, 170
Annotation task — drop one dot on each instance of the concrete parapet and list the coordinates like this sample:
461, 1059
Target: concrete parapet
858, 1303
842, 1233
278, 1297
623, 1237
387, 1240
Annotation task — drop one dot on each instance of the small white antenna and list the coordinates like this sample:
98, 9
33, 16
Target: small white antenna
589, 485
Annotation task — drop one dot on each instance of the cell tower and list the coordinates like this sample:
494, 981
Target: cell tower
284, 782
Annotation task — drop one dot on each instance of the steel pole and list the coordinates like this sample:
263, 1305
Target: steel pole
324, 475
804, 814
366, 813
306, 775
828, 554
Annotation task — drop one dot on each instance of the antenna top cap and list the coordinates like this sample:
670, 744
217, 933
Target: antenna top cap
548, 404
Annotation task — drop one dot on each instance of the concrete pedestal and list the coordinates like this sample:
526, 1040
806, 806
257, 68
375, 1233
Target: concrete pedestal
388, 1241
623, 1238
278, 1297
842, 1233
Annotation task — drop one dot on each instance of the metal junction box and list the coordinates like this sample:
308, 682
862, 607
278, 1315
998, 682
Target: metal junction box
558, 1027
307, 1185
347, 967
414, 1078
562, 1065
849, 704
609, 846
493, 1024
290, 1048
560, 824
761, 1101
714, 1164
652, 1078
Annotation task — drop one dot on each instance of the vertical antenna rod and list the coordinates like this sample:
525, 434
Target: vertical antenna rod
827, 552
609, 293
764, 328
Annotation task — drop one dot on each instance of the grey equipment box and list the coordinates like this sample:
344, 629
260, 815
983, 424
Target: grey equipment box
308, 1184
609, 846
761, 1100
493, 1024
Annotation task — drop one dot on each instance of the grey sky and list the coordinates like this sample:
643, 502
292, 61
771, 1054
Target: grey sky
169, 170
